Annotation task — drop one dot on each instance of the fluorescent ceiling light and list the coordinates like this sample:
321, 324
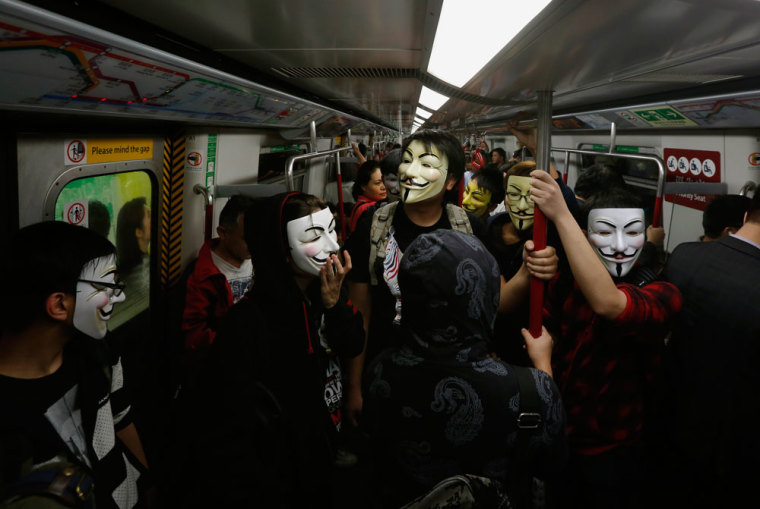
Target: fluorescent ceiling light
455, 61
432, 100
425, 114
414, 128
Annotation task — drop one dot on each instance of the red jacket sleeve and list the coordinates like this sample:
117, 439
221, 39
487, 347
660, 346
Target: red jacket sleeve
205, 302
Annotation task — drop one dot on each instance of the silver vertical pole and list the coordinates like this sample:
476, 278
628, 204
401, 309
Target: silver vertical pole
543, 159
613, 135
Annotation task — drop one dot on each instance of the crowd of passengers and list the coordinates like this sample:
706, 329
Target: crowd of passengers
412, 334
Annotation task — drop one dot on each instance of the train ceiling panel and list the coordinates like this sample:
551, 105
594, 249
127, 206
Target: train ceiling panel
602, 59
593, 53
365, 54
51, 63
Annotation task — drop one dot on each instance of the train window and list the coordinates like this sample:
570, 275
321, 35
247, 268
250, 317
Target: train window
273, 161
117, 206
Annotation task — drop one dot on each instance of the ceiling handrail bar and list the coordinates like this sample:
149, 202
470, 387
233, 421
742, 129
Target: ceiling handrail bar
252, 190
302, 157
639, 157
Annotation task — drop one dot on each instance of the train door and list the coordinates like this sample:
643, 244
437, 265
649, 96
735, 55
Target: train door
112, 186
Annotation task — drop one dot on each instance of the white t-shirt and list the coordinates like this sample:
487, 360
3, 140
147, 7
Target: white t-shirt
238, 278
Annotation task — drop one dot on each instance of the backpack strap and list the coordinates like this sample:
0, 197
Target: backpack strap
382, 220
529, 417
641, 276
458, 218
67, 483
523, 485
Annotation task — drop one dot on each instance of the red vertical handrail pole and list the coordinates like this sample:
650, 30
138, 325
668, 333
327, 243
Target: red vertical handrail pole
341, 211
208, 209
567, 167
657, 214
208, 220
543, 159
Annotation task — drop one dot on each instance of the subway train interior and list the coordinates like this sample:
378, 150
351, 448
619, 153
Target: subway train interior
182, 104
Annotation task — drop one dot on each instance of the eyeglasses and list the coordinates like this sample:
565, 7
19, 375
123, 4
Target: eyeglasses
117, 287
517, 196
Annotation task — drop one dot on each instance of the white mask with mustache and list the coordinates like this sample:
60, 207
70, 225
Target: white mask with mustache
519, 203
312, 239
422, 172
95, 300
617, 236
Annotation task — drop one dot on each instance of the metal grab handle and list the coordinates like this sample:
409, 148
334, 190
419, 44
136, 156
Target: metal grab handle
657, 215
208, 200
748, 186
302, 157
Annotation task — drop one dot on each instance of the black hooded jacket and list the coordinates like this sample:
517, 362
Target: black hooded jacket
439, 405
271, 389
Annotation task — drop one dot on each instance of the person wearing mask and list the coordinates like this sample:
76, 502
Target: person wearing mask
67, 431
265, 417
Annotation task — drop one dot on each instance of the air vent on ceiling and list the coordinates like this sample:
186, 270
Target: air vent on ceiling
344, 72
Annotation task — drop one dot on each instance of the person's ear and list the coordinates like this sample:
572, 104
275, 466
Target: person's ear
220, 231
451, 182
59, 306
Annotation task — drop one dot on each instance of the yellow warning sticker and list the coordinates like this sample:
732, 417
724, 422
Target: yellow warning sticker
110, 150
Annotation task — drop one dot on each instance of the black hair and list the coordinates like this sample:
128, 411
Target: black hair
99, 219
236, 205
521, 169
447, 144
391, 162
501, 152
363, 177
614, 198
597, 178
724, 211
490, 178
298, 205
42, 259
753, 213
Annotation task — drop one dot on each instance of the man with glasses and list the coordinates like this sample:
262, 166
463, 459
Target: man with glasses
64, 408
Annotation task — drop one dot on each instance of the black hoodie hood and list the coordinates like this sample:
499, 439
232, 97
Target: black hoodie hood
274, 288
450, 286
267, 243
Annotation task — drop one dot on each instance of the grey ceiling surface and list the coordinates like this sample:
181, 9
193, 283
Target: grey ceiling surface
589, 52
273, 37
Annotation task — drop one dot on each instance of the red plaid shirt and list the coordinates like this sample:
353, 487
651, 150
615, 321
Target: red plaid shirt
605, 368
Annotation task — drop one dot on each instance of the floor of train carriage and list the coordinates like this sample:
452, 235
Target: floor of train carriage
351, 484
